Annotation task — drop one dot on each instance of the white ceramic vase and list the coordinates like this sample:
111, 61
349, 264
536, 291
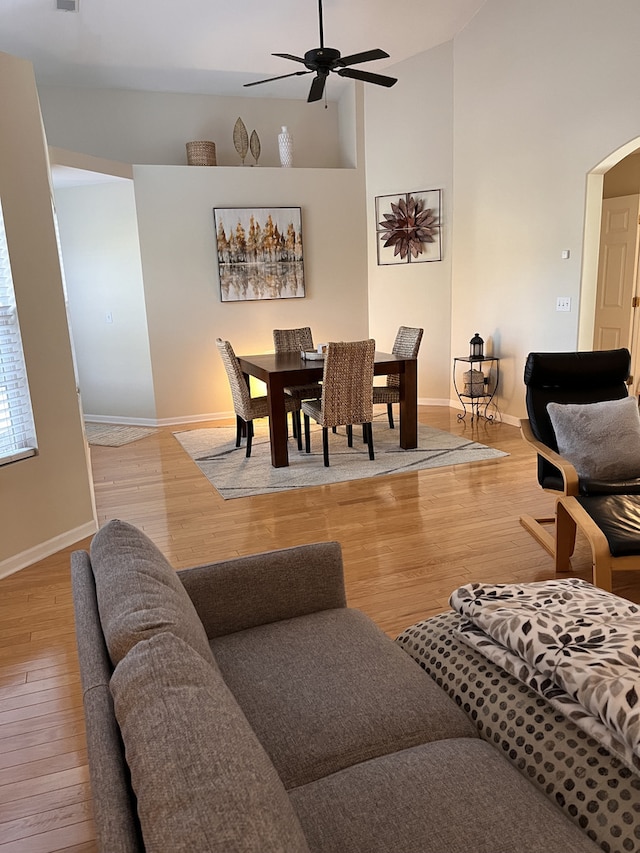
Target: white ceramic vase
285, 146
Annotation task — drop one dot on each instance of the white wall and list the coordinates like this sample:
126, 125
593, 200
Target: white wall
542, 93
185, 315
154, 127
408, 141
101, 253
46, 501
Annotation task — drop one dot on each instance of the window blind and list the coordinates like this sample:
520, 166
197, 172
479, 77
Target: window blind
17, 430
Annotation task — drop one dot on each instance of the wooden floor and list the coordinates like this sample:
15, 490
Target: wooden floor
408, 541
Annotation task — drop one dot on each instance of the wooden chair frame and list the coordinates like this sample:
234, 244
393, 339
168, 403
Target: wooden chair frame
570, 515
537, 526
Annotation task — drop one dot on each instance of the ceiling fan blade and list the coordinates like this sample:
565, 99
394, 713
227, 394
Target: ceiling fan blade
366, 56
289, 56
281, 77
367, 77
317, 88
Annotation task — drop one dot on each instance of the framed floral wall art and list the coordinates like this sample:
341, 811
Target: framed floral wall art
408, 227
259, 253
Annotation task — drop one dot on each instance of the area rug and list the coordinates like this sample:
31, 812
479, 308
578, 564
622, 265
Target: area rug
234, 476
115, 435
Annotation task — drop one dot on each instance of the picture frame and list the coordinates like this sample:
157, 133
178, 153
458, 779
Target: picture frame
260, 253
408, 227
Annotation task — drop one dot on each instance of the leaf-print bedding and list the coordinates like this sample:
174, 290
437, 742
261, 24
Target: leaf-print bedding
572, 642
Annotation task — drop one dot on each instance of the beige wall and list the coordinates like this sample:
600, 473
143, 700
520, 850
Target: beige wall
542, 93
185, 314
409, 139
103, 272
176, 373
153, 127
45, 501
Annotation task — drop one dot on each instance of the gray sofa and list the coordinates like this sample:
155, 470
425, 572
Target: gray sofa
241, 706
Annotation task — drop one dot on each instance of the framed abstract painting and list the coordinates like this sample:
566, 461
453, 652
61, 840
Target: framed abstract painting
259, 253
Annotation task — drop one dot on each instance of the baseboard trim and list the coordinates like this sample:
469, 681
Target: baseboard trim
110, 419
46, 549
158, 422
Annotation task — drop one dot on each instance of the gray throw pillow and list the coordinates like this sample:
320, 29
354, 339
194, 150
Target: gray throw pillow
600, 440
139, 593
202, 779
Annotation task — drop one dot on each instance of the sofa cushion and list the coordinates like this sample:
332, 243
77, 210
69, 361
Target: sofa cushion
200, 775
330, 689
139, 593
456, 795
601, 440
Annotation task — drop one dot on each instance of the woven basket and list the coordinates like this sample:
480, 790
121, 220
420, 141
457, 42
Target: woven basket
473, 383
201, 154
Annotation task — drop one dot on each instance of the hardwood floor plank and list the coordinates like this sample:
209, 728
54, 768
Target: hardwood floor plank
43, 784
47, 821
53, 763
25, 687
57, 839
37, 752
43, 802
67, 728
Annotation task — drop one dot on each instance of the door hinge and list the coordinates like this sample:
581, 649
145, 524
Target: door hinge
635, 302
630, 380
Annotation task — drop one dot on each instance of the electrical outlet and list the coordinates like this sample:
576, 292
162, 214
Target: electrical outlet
108, 317
563, 303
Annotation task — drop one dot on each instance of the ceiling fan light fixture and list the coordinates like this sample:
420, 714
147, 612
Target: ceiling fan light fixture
324, 60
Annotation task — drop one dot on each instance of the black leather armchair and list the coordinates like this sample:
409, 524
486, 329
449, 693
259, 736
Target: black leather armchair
568, 377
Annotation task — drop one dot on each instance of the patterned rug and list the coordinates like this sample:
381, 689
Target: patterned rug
115, 435
234, 476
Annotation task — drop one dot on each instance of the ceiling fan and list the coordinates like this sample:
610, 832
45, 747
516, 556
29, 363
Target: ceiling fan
323, 60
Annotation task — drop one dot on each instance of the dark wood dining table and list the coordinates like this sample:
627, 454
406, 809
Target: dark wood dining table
278, 370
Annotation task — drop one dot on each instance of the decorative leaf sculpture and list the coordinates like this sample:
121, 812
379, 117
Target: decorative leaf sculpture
409, 227
241, 139
254, 144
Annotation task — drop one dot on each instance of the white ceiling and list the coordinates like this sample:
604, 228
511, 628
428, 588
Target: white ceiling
211, 47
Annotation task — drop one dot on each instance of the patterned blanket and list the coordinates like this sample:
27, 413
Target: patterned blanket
575, 644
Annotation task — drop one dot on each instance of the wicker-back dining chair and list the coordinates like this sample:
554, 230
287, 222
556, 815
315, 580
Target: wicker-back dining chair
297, 340
347, 394
293, 340
406, 344
246, 407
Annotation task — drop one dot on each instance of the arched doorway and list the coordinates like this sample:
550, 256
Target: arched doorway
590, 258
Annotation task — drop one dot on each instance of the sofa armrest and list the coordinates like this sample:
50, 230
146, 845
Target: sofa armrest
568, 472
244, 592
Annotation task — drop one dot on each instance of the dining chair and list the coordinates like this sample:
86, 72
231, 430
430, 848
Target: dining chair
246, 407
297, 340
347, 396
406, 345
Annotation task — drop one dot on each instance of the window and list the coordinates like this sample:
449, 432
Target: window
17, 430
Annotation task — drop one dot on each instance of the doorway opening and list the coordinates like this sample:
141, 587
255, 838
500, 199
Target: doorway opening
605, 182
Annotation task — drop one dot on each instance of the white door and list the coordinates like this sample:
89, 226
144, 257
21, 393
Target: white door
617, 273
